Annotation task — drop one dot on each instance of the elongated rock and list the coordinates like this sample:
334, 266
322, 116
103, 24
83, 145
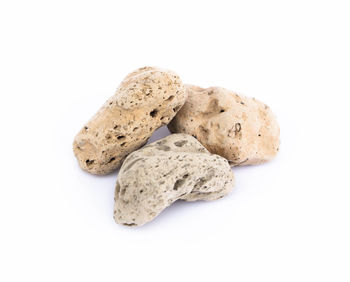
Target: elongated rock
146, 99
175, 167
243, 130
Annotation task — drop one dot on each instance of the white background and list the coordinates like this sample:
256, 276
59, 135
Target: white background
287, 220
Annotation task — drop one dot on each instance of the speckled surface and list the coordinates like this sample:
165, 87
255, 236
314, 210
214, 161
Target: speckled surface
145, 100
241, 129
175, 167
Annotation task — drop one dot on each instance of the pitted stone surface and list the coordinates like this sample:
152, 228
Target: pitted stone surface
145, 100
243, 130
175, 167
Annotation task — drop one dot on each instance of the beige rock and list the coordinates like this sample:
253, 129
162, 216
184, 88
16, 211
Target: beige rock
145, 100
241, 129
175, 167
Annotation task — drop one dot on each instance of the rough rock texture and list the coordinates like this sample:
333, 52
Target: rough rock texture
175, 167
145, 100
241, 129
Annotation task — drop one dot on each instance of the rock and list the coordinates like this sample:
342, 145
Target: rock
145, 100
175, 167
240, 129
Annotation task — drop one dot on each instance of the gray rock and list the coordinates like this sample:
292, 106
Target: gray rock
175, 167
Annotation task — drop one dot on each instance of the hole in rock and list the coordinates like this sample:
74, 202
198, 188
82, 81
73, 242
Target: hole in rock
89, 162
154, 113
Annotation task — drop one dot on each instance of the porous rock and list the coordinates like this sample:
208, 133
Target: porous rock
145, 100
175, 167
243, 130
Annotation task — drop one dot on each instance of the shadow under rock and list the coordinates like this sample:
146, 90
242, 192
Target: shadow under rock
178, 209
159, 134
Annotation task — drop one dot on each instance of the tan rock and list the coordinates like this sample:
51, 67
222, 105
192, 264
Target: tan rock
145, 100
175, 167
241, 129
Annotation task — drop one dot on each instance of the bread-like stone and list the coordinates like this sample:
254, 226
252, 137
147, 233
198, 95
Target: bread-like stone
175, 167
145, 100
243, 130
